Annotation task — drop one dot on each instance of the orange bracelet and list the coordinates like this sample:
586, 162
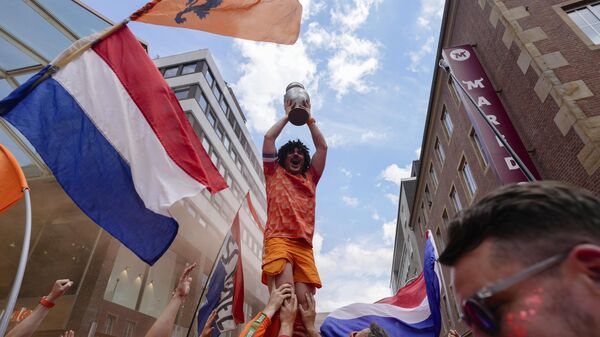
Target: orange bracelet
311, 121
44, 302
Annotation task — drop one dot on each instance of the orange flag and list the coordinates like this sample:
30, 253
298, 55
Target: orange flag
12, 179
260, 20
253, 213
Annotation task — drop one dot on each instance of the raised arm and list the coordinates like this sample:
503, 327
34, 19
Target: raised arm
30, 324
272, 134
163, 325
320, 156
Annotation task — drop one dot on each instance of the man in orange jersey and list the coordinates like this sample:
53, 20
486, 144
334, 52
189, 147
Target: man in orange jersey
291, 180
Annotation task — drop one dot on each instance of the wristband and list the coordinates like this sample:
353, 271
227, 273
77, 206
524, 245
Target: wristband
310, 122
44, 302
284, 336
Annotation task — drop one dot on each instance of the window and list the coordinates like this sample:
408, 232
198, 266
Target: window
194, 122
445, 219
439, 149
171, 71
448, 126
587, 18
479, 148
468, 178
205, 143
199, 96
238, 131
453, 90
231, 119
109, 324
440, 239
455, 200
433, 176
214, 157
217, 92
212, 119
224, 104
227, 142
209, 78
188, 68
182, 93
428, 196
129, 329
219, 130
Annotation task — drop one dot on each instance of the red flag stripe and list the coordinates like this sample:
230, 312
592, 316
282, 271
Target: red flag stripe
259, 223
146, 86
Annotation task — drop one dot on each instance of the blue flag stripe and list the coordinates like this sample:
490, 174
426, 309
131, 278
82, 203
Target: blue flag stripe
89, 169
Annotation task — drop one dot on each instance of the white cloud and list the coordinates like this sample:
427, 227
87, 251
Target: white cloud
347, 173
418, 152
395, 173
431, 10
268, 69
375, 216
417, 56
350, 201
352, 272
344, 134
394, 198
311, 7
352, 16
389, 232
371, 136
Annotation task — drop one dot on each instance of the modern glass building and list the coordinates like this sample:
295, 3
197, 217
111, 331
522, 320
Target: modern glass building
115, 293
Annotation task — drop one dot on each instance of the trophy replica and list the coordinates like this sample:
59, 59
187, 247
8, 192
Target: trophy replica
297, 103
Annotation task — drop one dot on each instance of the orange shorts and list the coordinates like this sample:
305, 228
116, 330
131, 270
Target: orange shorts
279, 251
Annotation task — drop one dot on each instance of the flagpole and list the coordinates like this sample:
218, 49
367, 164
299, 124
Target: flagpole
212, 269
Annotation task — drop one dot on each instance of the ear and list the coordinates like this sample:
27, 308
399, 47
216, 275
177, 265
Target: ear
584, 260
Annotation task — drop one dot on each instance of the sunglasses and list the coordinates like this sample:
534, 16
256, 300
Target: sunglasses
476, 313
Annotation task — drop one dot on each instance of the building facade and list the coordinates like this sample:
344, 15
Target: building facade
406, 263
541, 59
115, 293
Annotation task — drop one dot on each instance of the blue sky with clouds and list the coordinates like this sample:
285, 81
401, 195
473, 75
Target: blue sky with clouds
368, 66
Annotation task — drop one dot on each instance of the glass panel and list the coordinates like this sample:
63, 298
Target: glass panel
125, 280
23, 78
19, 154
211, 117
5, 88
209, 78
188, 68
217, 92
588, 17
596, 10
205, 143
227, 142
20, 20
12, 57
78, 19
592, 34
231, 119
214, 157
182, 93
224, 105
201, 99
219, 132
160, 283
577, 19
170, 72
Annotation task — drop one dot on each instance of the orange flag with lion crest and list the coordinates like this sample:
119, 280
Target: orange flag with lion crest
260, 20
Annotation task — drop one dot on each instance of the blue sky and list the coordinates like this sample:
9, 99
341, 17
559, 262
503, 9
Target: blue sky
368, 66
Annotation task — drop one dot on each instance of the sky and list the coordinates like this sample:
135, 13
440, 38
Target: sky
367, 65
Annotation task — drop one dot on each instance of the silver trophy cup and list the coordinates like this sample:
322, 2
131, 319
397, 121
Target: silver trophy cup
297, 103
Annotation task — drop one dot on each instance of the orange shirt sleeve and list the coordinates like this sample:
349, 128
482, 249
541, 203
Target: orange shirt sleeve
257, 326
269, 163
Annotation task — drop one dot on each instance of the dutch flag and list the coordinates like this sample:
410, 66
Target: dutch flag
116, 139
413, 312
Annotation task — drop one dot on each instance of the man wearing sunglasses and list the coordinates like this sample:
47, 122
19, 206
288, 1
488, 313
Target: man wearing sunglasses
526, 262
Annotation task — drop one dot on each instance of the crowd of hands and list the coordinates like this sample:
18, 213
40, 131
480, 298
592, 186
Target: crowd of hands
282, 299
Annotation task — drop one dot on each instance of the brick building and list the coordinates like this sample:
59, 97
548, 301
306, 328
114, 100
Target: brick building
542, 59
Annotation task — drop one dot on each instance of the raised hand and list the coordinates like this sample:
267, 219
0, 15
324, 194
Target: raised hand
58, 289
183, 287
